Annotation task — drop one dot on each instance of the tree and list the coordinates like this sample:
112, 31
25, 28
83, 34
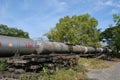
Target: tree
110, 32
5, 30
113, 33
76, 30
116, 19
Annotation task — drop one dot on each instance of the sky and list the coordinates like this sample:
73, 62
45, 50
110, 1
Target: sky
37, 17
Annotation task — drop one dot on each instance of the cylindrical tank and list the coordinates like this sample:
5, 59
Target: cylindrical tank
57, 47
11, 45
88, 49
50, 47
80, 49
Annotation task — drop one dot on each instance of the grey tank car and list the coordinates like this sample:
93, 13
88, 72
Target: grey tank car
28, 54
57, 47
10, 46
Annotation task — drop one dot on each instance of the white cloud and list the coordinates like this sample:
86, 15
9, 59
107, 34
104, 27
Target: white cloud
110, 3
58, 5
112, 6
114, 11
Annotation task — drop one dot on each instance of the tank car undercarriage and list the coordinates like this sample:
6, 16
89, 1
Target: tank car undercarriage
36, 63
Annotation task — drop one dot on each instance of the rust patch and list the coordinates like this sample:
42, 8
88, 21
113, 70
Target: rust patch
0, 44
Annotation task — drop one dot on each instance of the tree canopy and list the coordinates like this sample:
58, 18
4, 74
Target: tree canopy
5, 30
113, 32
116, 19
76, 30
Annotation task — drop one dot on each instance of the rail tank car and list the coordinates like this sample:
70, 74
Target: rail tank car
11, 46
34, 55
57, 47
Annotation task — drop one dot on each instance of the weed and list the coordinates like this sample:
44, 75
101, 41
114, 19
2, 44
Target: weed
3, 65
92, 63
77, 72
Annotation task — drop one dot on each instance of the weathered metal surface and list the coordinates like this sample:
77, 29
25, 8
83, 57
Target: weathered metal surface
57, 47
18, 46
12, 45
49, 54
51, 47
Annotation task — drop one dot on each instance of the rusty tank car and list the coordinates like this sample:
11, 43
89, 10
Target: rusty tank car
27, 54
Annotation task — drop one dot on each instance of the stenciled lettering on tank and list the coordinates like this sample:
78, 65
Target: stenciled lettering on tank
29, 45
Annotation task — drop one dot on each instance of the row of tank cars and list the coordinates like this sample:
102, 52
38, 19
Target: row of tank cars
26, 54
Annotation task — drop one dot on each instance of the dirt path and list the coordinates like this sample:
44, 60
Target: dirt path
112, 73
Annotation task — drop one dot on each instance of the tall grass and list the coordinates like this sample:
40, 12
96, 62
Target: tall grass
92, 63
32, 76
3, 65
77, 72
